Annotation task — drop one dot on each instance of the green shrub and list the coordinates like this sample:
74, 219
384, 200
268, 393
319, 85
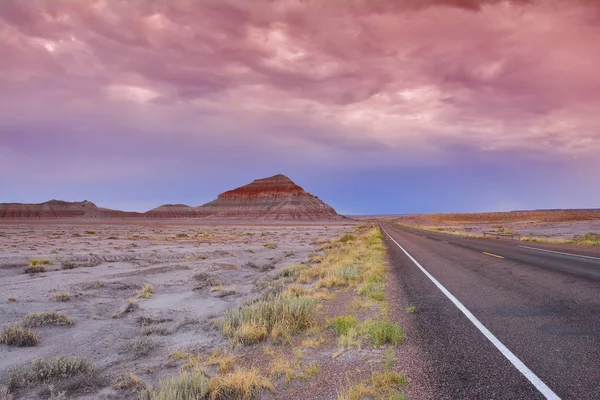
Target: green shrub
344, 323
18, 335
347, 237
382, 332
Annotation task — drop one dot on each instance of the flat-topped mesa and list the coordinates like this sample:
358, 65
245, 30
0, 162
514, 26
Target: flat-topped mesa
273, 198
275, 186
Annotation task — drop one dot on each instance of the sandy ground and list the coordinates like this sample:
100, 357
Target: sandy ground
564, 230
113, 262
547, 230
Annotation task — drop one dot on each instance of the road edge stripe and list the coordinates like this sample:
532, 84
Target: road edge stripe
558, 252
514, 360
491, 254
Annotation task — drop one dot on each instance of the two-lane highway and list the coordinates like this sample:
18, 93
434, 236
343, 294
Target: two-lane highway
500, 321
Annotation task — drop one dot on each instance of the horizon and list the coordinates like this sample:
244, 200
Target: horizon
463, 106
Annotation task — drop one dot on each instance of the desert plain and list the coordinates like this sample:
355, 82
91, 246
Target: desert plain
197, 273
142, 302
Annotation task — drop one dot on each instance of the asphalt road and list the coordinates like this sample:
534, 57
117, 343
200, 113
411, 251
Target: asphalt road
542, 307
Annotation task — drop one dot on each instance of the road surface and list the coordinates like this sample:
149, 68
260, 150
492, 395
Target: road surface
503, 319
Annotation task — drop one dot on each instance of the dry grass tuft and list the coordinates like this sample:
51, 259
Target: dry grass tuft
43, 370
241, 384
223, 359
5, 393
60, 296
12, 298
187, 386
139, 347
146, 292
18, 335
381, 385
35, 262
281, 366
47, 318
34, 269
129, 382
130, 307
286, 315
270, 245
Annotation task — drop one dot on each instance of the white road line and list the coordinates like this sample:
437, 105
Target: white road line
560, 252
523, 369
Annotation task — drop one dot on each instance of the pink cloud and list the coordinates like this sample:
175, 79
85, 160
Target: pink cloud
413, 78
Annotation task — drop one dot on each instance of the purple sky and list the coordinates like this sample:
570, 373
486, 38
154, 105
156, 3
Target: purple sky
376, 106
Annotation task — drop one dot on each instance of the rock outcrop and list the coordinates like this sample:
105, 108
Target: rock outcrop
273, 198
59, 209
171, 211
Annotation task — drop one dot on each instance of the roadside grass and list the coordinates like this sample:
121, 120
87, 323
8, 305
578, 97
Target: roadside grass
187, 385
293, 314
588, 239
240, 384
383, 332
18, 335
381, 385
443, 229
47, 318
344, 323
279, 316
224, 360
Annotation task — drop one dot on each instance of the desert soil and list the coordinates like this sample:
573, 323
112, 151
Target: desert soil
112, 264
546, 225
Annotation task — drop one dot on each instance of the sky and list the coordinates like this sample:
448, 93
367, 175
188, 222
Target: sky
376, 106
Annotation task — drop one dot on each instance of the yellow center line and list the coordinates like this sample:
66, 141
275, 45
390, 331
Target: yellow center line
493, 255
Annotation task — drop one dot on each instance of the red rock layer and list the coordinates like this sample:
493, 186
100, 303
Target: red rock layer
274, 198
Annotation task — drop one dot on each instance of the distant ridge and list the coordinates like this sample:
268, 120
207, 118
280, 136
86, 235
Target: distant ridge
273, 198
60, 209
